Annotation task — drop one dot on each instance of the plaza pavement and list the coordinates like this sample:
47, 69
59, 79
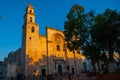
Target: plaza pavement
75, 77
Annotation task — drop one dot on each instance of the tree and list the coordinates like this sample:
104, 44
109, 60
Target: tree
105, 32
77, 32
74, 27
94, 35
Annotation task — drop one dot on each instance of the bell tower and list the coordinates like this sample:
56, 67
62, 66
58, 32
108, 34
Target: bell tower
29, 15
30, 41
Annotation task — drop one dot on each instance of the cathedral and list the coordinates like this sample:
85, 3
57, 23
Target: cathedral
43, 54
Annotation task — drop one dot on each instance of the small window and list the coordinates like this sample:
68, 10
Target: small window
33, 29
30, 11
30, 19
58, 47
30, 38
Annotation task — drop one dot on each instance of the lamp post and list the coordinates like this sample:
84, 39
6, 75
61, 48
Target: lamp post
47, 52
68, 66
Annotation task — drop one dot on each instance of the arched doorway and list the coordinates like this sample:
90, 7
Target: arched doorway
43, 72
73, 71
85, 66
59, 69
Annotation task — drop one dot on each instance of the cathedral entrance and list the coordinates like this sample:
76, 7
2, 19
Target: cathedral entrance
59, 69
43, 72
73, 71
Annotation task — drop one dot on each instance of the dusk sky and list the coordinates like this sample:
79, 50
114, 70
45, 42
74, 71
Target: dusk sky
48, 13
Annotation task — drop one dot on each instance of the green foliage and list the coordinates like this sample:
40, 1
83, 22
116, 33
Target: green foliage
94, 35
105, 31
74, 27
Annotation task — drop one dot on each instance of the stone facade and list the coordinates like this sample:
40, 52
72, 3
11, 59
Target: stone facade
12, 63
42, 55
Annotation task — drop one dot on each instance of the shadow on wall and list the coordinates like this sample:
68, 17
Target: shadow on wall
34, 68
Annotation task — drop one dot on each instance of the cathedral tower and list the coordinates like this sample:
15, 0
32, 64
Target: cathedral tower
30, 41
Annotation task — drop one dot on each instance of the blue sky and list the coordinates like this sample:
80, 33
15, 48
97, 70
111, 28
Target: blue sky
48, 13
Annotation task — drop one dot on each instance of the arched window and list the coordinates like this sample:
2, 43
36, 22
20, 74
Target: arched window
30, 19
33, 29
30, 11
58, 47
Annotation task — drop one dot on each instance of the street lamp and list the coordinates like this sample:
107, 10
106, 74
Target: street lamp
68, 66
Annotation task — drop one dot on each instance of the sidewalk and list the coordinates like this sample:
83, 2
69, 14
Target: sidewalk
75, 77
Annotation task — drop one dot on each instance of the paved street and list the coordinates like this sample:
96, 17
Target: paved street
75, 77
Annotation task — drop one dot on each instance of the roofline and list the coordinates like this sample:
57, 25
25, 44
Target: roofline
54, 28
42, 35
